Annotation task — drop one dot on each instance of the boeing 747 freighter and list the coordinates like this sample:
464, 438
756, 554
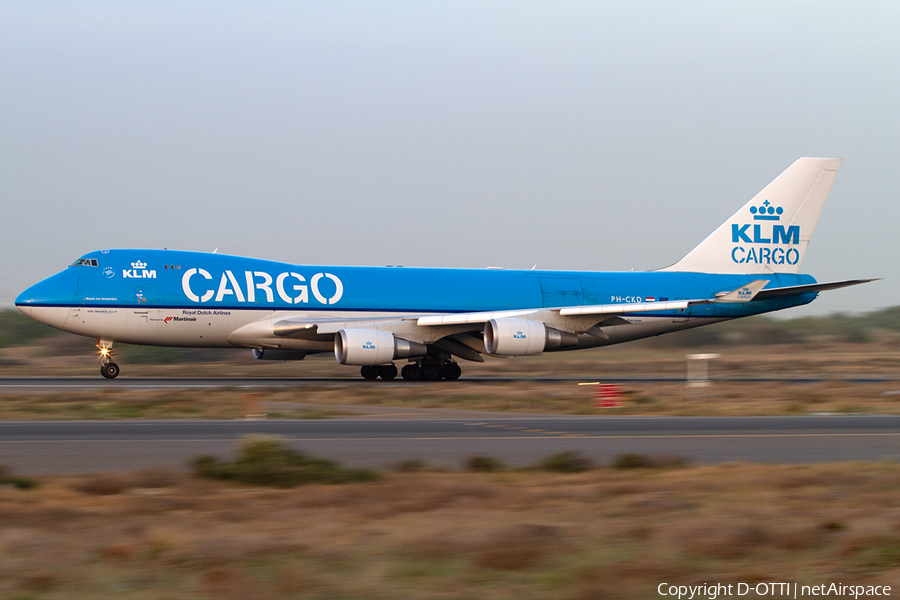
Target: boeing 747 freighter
428, 318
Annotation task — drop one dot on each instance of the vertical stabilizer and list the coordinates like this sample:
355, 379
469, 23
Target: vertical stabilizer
770, 233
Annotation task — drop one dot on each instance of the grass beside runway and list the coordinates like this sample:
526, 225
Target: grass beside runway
421, 533
340, 399
347, 394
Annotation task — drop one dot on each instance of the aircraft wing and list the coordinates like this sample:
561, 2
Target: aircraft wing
310, 328
581, 318
743, 294
451, 332
600, 309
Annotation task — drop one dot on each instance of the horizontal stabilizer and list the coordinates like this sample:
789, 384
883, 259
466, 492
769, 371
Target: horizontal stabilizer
796, 290
745, 293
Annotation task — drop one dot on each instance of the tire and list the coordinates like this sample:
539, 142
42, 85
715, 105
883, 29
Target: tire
452, 371
387, 372
411, 372
369, 372
432, 372
110, 370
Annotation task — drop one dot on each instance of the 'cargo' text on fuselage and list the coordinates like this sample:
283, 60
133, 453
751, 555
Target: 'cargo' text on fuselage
291, 287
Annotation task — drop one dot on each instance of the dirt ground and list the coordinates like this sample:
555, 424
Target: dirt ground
605, 533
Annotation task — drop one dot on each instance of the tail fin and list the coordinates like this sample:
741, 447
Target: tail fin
770, 233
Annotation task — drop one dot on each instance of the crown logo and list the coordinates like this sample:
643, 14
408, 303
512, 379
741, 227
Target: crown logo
766, 212
138, 265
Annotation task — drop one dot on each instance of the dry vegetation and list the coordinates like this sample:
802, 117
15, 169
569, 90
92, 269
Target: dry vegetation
835, 348
336, 401
834, 362
604, 533
488, 533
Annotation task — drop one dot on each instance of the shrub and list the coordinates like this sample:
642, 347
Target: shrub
644, 461
269, 462
410, 466
483, 464
22, 483
565, 462
631, 461
103, 485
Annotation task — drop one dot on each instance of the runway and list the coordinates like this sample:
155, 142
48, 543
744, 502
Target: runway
44, 447
184, 383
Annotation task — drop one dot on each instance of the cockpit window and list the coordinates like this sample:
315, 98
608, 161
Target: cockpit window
84, 262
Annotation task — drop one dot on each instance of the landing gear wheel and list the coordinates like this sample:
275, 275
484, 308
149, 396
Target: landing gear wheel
452, 371
387, 372
411, 372
109, 370
369, 372
432, 372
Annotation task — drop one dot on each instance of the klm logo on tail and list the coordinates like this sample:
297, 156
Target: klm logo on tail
774, 235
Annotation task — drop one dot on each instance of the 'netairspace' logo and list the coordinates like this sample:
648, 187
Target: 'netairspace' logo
767, 236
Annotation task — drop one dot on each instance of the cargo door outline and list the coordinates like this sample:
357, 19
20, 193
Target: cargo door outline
561, 291
144, 297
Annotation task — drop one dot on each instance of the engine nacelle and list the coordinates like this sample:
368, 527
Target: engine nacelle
274, 354
521, 337
369, 347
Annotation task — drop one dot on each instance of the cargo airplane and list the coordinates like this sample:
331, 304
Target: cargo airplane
373, 316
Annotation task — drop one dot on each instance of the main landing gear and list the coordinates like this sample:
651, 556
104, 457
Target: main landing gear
427, 369
108, 369
431, 371
383, 371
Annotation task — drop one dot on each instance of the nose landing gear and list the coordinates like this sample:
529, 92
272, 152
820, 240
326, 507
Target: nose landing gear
108, 369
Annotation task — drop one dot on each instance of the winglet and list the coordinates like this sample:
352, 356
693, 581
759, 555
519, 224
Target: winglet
743, 294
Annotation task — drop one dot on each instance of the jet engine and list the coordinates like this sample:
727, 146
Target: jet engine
273, 354
370, 347
521, 337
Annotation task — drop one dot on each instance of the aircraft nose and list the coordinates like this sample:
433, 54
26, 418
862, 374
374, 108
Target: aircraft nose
52, 293
25, 301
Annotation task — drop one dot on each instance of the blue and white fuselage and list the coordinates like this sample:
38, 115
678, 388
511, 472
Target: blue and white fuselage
371, 316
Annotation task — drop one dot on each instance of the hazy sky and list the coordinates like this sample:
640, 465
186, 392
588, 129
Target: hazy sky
571, 135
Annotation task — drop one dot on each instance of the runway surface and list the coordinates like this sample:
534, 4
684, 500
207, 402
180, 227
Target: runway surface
42, 447
155, 383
